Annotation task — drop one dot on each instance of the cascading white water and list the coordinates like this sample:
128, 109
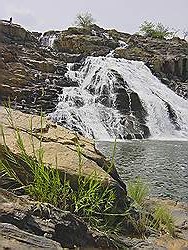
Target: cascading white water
80, 109
48, 40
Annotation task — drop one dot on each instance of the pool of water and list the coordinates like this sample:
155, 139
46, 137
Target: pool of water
162, 164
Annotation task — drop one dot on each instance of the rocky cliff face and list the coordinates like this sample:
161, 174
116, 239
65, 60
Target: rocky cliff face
31, 75
33, 68
167, 59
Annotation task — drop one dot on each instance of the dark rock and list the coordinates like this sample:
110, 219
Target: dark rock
136, 104
138, 136
104, 100
78, 102
122, 100
129, 137
146, 131
70, 58
19, 239
172, 115
32, 224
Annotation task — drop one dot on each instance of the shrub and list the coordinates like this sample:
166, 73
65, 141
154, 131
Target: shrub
153, 30
84, 20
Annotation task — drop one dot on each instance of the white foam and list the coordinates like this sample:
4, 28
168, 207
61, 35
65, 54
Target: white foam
104, 122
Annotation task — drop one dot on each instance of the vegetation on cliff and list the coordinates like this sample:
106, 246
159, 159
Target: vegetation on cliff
153, 30
84, 20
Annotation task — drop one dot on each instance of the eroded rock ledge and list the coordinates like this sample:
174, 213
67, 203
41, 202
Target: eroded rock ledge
60, 147
26, 63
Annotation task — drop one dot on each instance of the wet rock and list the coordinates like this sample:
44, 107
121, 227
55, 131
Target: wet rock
129, 137
122, 101
104, 100
145, 130
172, 116
138, 136
135, 102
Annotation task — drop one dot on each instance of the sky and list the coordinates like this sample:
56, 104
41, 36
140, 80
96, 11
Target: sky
123, 15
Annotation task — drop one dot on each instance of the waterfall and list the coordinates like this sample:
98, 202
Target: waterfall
97, 108
47, 40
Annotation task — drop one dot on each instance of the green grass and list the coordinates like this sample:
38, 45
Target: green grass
90, 200
163, 220
138, 190
158, 218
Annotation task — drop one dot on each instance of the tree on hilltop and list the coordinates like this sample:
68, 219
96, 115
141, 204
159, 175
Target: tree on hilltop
153, 30
84, 20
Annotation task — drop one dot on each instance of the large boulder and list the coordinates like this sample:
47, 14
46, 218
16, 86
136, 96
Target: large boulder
60, 149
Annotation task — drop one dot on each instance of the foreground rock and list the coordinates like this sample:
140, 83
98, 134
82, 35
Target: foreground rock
25, 224
28, 224
60, 148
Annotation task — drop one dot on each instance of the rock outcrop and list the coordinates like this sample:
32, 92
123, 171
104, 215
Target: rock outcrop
94, 41
31, 75
60, 149
28, 225
166, 58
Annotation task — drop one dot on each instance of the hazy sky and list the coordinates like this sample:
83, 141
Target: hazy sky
124, 15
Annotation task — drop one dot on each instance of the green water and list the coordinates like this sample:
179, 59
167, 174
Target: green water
162, 164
